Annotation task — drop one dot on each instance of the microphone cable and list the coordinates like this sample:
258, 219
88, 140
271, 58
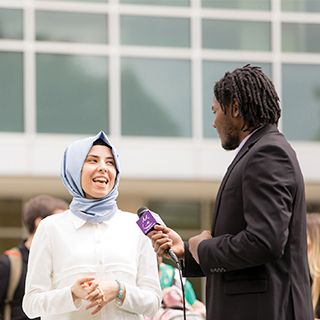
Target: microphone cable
183, 294
154, 218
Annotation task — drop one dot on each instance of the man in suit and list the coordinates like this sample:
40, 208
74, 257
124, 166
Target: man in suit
255, 257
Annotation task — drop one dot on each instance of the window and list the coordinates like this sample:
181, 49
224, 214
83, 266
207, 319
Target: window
163, 57
75, 0
11, 92
155, 97
10, 223
236, 35
11, 24
300, 37
178, 3
237, 4
72, 94
301, 102
301, 5
155, 31
71, 27
178, 214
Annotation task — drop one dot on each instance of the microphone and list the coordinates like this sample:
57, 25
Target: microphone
147, 221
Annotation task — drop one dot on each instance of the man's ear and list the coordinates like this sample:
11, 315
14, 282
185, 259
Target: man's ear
236, 111
37, 221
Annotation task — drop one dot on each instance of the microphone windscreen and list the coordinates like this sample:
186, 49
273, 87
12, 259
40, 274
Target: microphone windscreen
141, 211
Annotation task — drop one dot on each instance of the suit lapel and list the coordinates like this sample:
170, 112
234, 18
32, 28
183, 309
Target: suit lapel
223, 182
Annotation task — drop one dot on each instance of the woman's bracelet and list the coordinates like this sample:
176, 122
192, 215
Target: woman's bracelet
118, 301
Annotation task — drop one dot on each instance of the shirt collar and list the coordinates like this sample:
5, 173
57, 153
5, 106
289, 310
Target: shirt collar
245, 140
78, 222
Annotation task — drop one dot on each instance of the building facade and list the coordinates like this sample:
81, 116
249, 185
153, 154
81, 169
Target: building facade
143, 71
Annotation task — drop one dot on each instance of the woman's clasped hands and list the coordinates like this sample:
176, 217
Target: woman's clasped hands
97, 293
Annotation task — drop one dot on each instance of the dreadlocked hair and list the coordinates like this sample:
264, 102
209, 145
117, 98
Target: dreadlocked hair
257, 98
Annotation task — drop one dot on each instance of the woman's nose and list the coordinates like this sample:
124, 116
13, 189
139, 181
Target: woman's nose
103, 167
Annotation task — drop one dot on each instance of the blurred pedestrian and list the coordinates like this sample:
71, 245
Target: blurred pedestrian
15, 260
313, 232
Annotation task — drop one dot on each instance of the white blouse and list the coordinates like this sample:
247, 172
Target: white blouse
66, 248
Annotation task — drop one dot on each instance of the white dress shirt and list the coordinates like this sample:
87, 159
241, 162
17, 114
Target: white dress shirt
245, 140
66, 248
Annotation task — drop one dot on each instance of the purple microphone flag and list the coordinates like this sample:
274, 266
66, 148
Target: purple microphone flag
148, 220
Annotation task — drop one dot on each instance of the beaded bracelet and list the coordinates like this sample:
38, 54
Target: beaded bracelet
119, 303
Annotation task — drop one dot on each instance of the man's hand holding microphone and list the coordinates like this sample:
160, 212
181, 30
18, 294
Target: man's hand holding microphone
163, 238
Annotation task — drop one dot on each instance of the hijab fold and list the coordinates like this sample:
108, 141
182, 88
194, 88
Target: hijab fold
93, 210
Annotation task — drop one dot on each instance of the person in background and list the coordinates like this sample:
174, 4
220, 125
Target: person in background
93, 256
169, 276
255, 256
34, 211
313, 237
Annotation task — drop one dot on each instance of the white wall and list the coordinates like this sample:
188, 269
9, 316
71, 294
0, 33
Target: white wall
140, 158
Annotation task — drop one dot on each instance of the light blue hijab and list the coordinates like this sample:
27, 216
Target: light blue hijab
93, 210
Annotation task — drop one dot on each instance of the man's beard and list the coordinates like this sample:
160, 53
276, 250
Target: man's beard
232, 142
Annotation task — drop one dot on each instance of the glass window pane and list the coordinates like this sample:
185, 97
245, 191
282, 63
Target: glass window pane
75, 0
301, 5
156, 97
7, 243
177, 3
178, 214
72, 94
10, 213
212, 72
71, 27
237, 4
11, 24
11, 91
236, 35
10, 217
155, 31
300, 37
301, 102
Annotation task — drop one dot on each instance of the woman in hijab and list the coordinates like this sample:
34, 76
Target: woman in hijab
93, 256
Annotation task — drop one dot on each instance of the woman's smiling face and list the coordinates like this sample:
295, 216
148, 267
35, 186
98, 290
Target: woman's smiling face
98, 172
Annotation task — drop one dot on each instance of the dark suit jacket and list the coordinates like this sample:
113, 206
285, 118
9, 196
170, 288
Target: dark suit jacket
256, 263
